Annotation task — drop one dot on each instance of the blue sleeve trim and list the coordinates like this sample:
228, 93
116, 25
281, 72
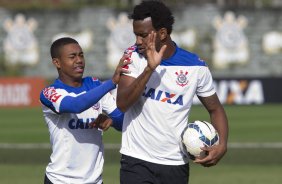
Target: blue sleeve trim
117, 117
82, 102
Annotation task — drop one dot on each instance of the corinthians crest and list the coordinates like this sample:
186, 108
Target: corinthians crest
20, 44
230, 43
181, 78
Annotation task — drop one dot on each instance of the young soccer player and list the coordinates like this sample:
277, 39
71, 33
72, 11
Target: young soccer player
156, 97
72, 108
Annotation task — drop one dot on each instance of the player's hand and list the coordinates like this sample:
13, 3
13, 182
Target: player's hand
214, 154
121, 68
102, 122
154, 57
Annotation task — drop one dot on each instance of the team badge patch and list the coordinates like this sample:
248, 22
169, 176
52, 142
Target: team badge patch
181, 78
96, 106
95, 79
51, 94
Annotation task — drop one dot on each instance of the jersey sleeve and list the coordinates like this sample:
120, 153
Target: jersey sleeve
52, 98
108, 103
205, 83
61, 101
117, 117
110, 108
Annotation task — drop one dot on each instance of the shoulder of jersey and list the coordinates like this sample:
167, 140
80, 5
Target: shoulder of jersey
129, 52
189, 58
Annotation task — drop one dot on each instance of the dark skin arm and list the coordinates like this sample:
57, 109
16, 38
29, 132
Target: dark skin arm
219, 120
103, 121
129, 88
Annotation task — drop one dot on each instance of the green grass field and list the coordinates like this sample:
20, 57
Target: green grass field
244, 165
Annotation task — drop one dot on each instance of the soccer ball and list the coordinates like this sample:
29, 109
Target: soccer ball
196, 135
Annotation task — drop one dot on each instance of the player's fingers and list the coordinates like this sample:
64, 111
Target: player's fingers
126, 62
122, 66
210, 163
153, 41
205, 148
205, 163
163, 48
98, 120
124, 70
101, 118
93, 125
106, 125
201, 160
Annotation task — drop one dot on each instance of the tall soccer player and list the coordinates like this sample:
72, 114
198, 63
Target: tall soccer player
72, 108
156, 97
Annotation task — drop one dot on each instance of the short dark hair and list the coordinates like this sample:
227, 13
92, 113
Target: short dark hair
58, 44
160, 14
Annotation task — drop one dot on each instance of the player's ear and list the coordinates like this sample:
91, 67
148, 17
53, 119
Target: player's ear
163, 34
56, 62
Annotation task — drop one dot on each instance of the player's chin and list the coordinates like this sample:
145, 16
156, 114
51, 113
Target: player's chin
78, 75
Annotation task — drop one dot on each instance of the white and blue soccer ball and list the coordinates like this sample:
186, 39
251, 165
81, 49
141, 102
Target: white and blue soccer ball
198, 134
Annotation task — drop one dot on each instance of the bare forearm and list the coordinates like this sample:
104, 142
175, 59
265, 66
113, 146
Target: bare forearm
217, 115
129, 92
220, 122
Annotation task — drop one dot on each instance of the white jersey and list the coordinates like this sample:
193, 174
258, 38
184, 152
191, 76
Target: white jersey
77, 149
153, 125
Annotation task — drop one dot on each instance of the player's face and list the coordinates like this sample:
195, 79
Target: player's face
70, 64
141, 29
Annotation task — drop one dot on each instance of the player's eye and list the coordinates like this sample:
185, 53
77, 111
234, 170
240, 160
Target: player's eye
144, 35
141, 35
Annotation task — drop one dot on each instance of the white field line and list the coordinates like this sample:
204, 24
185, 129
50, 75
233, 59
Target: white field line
248, 145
